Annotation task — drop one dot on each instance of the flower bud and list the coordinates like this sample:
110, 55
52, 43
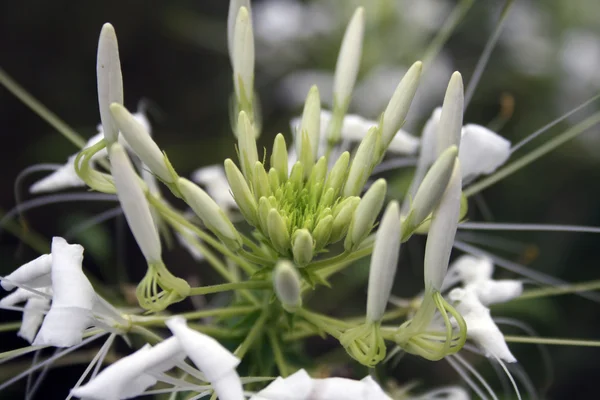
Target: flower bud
241, 192
397, 109
210, 213
342, 219
279, 158
141, 142
348, 60
384, 262
246, 144
273, 180
110, 80
362, 164
319, 172
286, 282
442, 231
297, 175
234, 8
338, 173
264, 206
365, 215
308, 147
430, 191
278, 231
302, 247
262, 187
322, 232
450, 125
134, 203
243, 57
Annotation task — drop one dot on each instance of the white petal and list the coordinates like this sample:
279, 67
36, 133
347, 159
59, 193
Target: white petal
70, 285
193, 250
214, 360
492, 292
373, 390
338, 389
473, 269
35, 274
229, 386
208, 174
481, 151
20, 295
404, 143
63, 327
62, 178
297, 386
33, 315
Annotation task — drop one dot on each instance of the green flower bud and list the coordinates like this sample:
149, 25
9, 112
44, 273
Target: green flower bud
279, 158
318, 173
322, 232
210, 213
243, 58
241, 192
327, 198
362, 164
342, 218
430, 191
264, 206
273, 180
338, 173
450, 126
365, 215
262, 186
286, 282
246, 145
297, 176
302, 247
278, 232
307, 137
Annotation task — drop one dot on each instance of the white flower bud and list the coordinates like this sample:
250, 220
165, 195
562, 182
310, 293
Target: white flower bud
311, 126
141, 142
450, 125
243, 56
278, 231
286, 282
279, 158
397, 109
234, 9
442, 231
134, 204
110, 81
348, 60
365, 214
241, 192
302, 247
362, 164
384, 262
210, 213
246, 145
481, 151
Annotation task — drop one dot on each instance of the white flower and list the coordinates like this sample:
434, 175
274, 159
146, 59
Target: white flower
34, 274
480, 326
300, 386
33, 314
132, 375
214, 360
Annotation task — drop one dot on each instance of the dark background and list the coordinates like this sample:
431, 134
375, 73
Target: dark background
174, 55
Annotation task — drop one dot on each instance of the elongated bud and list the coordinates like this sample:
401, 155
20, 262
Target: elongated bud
241, 192
338, 173
319, 172
262, 186
110, 80
384, 262
210, 213
365, 214
442, 231
234, 8
286, 281
431, 190
397, 109
362, 164
348, 60
264, 206
279, 158
278, 231
243, 57
322, 232
134, 204
342, 219
450, 125
302, 247
141, 142
311, 127
246, 145
297, 175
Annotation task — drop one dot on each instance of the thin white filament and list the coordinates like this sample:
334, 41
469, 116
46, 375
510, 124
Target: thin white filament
102, 354
49, 361
512, 380
498, 226
30, 393
463, 374
95, 220
34, 361
476, 374
546, 127
25, 173
495, 242
521, 269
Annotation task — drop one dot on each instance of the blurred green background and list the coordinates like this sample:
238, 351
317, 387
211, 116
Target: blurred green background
174, 55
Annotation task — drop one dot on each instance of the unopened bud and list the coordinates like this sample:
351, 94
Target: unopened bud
262, 186
342, 218
322, 232
307, 148
279, 158
246, 144
362, 164
278, 231
450, 125
302, 247
338, 173
286, 281
243, 57
110, 80
241, 192
365, 214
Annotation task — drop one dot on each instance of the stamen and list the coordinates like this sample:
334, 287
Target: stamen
476, 375
498, 226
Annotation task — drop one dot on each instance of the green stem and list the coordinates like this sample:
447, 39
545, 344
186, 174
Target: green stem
254, 333
10, 326
552, 341
230, 286
556, 291
319, 322
278, 355
217, 331
533, 155
192, 315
